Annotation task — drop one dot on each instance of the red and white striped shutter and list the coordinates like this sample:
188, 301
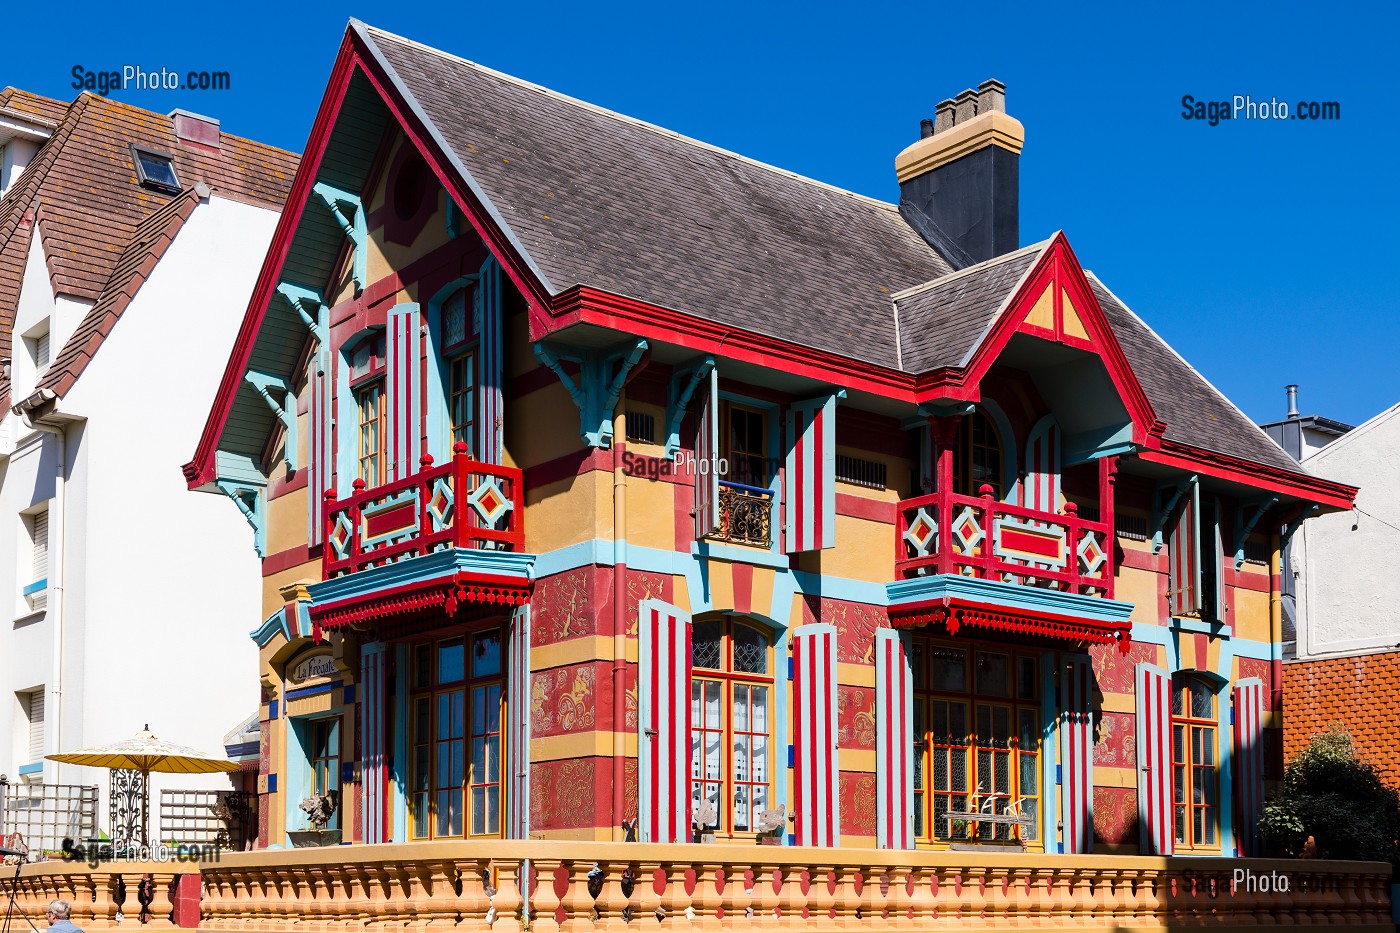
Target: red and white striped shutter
405, 382
894, 741
320, 453
816, 801
1077, 754
663, 749
706, 455
518, 719
1184, 557
1249, 762
1154, 750
492, 309
809, 488
1041, 489
374, 753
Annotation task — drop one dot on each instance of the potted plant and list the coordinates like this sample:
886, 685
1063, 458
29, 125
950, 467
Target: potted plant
319, 808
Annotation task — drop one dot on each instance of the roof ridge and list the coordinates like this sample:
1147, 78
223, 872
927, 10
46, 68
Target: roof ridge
1210, 385
985, 264
109, 102
634, 121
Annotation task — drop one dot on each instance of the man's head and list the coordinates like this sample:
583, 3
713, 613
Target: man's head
59, 910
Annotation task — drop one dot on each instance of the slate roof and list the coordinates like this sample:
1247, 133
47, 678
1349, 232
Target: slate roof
81, 189
597, 198
943, 321
1195, 412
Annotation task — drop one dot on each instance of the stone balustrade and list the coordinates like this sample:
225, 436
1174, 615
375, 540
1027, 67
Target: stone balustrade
586, 887
103, 898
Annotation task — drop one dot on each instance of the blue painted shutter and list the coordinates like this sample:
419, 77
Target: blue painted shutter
320, 454
518, 720
1041, 490
707, 455
663, 748
1249, 763
1077, 754
374, 755
809, 488
816, 803
1154, 754
490, 306
405, 385
894, 741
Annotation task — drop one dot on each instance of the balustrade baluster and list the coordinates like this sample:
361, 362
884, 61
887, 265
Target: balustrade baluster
996, 897
821, 894
794, 898
544, 897
767, 885
507, 900
872, 900
611, 901
648, 899
578, 900
676, 900
707, 899
737, 897
923, 907
473, 903
896, 898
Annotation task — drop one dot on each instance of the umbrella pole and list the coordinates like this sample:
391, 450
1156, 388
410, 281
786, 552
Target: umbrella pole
145, 809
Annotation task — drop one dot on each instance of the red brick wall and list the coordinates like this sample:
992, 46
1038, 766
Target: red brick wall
1359, 692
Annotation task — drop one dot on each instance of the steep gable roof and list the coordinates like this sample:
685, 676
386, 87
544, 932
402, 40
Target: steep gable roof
81, 192
597, 198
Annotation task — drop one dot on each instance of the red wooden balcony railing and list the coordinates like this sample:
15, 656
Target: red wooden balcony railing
978, 536
464, 503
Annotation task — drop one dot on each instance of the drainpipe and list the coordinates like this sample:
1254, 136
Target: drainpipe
619, 671
55, 594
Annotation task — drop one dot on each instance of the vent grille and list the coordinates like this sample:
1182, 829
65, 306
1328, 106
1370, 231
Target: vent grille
869, 473
641, 427
1256, 550
1132, 527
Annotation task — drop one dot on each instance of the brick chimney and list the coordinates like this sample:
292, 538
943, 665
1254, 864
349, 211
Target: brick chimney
195, 128
958, 185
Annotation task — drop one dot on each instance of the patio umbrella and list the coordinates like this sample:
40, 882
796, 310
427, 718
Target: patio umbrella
145, 753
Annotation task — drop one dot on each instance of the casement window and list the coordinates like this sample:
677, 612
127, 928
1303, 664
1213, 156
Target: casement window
457, 702
977, 746
731, 716
1195, 580
367, 367
324, 756
1194, 724
461, 368
35, 588
744, 444
155, 170
32, 706
977, 461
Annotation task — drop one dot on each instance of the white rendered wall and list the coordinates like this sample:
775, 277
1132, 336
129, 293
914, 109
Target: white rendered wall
1348, 584
161, 584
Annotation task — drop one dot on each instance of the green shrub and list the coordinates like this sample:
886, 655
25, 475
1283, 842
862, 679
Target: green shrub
1338, 799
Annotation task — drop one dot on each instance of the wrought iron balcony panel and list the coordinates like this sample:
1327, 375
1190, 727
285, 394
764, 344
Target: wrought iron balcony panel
745, 515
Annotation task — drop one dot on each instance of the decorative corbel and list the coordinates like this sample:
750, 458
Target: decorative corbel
300, 297
603, 374
1243, 527
338, 201
249, 499
1160, 516
678, 399
285, 410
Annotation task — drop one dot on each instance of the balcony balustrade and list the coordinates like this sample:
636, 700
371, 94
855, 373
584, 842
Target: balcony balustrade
978, 536
463, 503
745, 515
587, 887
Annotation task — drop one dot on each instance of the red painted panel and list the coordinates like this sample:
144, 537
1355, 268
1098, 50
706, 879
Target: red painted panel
855, 717
1029, 542
857, 796
1117, 744
399, 518
1115, 815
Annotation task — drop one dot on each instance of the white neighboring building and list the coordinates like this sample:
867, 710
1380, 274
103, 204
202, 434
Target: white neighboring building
129, 244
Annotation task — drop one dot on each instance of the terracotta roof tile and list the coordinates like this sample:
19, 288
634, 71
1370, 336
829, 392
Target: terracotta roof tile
99, 227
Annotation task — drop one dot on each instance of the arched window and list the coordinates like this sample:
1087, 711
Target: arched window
976, 739
460, 366
978, 459
1194, 770
731, 716
367, 367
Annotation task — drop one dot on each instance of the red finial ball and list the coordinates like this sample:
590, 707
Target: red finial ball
330, 494
358, 484
426, 460
1071, 508
986, 491
460, 447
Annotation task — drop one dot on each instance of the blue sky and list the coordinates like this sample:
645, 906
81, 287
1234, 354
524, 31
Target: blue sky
1265, 252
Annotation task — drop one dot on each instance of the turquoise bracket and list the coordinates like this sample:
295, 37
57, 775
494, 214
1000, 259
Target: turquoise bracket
285, 410
1159, 518
683, 386
453, 219
338, 201
1243, 527
249, 499
309, 305
603, 373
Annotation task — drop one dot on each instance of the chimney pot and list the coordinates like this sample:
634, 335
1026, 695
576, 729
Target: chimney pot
925, 128
991, 95
943, 115
966, 103
1292, 400
195, 128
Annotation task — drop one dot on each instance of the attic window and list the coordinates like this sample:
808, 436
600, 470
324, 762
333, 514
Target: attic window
155, 169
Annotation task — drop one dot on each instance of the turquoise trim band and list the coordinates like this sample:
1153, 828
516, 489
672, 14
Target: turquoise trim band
1009, 595
421, 569
35, 587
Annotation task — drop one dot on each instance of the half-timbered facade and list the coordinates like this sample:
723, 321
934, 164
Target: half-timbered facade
607, 483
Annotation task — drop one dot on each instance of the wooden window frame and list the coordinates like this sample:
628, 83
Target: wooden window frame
764, 478
963, 482
1190, 723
